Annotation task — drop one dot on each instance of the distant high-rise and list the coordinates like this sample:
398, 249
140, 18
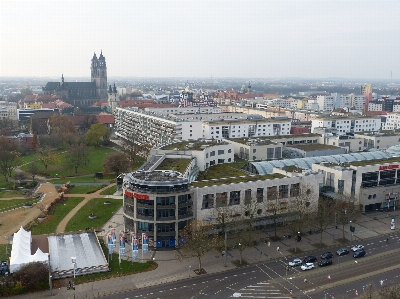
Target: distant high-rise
366, 89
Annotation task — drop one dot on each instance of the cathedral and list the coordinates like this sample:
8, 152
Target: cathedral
83, 93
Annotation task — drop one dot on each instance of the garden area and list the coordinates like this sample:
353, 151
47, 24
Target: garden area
101, 208
49, 225
6, 205
87, 189
58, 167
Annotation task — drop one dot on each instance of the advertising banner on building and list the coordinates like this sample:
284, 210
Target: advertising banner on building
135, 246
145, 243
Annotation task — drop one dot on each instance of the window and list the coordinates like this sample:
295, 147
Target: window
212, 154
260, 195
229, 151
208, 201
221, 152
254, 150
272, 193
221, 161
247, 196
221, 199
229, 159
234, 198
283, 191
207, 155
294, 190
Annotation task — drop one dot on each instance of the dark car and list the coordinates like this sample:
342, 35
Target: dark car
310, 259
327, 255
342, 251
325, 262
359, 253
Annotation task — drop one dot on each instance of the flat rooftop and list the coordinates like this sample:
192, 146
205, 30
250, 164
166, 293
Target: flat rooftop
191, 145
295, 136
309, 147
179, 165
373, 162
233, 180
264, 140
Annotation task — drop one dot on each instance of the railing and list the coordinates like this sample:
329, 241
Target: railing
187, 215
142, 217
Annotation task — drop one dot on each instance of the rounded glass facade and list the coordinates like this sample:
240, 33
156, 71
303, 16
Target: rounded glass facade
157, 204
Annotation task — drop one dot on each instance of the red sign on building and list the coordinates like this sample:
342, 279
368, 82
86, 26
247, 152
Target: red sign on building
136, 195
140, 196
385, 167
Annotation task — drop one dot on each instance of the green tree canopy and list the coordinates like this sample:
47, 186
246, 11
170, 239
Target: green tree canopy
96, 135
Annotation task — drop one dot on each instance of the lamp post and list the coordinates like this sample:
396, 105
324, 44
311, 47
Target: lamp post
351, 230
190, 267
225, 237
50, 277
73, 261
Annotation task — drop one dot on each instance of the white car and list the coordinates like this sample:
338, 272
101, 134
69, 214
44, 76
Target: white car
295, 263
307, 266
357, 247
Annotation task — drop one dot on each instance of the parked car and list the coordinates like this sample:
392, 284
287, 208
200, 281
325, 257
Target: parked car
325, 262
359, 253
310, 259
342, 251
327, 255
357, 247
307, 266
295, 263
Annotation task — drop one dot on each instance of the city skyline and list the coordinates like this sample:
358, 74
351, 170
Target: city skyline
255, 39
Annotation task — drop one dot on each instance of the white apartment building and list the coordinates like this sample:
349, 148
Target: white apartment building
325, 103
392, 121
346, 100
358, 102
3, 113
11, 108
347, 124
311, 105
375, 106
256, 149
184, 110
253, 127
149, 127
279, 102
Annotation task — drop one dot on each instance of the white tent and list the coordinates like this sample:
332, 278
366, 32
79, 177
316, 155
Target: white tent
39, 256
21, 251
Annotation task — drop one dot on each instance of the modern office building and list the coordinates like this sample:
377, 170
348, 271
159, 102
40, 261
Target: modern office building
372, 185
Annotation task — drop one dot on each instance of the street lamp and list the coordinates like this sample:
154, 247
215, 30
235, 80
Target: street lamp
73, 261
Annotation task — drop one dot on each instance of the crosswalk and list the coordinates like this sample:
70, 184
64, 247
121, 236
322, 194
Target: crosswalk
262, 290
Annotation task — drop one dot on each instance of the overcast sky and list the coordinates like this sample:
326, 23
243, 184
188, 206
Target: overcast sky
193, 38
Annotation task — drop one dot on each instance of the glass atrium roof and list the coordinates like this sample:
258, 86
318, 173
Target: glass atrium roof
265, 167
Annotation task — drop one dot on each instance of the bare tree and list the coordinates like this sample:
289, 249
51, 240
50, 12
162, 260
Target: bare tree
300, 205
323, 217
390, 291
197, 236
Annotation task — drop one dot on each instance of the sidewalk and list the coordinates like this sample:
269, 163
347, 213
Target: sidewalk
171, 269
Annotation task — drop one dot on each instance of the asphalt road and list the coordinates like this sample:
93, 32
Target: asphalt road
343, 279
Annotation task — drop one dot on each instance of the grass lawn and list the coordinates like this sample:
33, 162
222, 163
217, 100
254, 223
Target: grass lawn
49, 225
220, 171
84, 179
15, 203
85, 189
11, 193
103, 212
4, 256
95, 164
109, 191
4, 184
117, 269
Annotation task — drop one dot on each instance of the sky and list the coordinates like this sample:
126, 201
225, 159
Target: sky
192, 38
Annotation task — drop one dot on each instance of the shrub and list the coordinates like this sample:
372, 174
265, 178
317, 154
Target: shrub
33, 276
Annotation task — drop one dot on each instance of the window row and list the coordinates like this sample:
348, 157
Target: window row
270, 193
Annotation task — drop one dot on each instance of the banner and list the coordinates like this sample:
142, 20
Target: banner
145, 243
110, 243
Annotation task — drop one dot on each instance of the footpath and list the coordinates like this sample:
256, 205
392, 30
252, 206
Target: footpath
172, 268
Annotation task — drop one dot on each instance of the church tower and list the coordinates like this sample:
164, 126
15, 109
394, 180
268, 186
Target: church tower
112, 98
99, 75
